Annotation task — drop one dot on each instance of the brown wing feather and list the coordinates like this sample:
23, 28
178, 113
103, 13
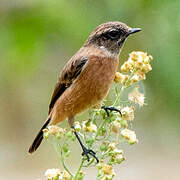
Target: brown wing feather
68, 75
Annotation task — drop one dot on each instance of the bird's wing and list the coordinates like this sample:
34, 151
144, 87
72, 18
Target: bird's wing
70, 72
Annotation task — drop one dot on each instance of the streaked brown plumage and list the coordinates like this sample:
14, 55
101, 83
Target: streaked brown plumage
88, 75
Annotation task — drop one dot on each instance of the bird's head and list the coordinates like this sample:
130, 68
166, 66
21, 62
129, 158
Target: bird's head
111, 36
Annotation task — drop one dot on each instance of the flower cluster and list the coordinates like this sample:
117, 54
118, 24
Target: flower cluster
129, 135
110, 153
104, 131
53, 130
105, 171
56, 174
138, 64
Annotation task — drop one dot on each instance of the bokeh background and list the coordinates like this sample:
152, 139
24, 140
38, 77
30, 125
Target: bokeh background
37, 37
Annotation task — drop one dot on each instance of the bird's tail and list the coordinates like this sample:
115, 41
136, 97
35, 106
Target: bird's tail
37, 141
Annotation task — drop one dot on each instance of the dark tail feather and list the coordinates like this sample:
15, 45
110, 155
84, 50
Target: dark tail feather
37, 141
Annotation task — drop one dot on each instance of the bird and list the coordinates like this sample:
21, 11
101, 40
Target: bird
86, 78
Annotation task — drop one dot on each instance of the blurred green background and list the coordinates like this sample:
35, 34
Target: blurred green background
37, 37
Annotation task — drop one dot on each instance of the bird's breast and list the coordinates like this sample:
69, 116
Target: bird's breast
88, 89
96, 78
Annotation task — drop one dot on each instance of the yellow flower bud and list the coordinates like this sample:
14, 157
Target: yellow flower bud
134, 56
107, 169
124, 79
146, 68
118, 77
140, 75
135, 78
126, 67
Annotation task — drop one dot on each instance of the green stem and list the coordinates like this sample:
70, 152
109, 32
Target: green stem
79, 169
104, 154
63, 163
123, 88
92, 160
119, 95
99, 129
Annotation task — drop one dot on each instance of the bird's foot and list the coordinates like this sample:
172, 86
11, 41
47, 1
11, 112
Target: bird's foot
86, 152
111, 108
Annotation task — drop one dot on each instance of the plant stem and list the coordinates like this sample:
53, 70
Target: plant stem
119, 95
79, 169
99, 129
63, 163
123, 88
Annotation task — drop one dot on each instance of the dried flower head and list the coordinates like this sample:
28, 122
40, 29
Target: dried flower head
127, 113
137, 97
107, 169
53, 130
116, 127
129, 135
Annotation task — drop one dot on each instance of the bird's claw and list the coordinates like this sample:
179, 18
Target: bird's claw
107, 109
88, 152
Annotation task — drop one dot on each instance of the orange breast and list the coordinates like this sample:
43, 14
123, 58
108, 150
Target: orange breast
89, 88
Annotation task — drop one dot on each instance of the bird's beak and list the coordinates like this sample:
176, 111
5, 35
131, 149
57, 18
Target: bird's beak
134, 30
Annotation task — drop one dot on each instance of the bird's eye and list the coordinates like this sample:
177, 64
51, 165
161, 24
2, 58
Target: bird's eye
113, 34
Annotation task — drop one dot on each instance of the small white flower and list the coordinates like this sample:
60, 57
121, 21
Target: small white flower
52, 173
116, 127
129, 135
146, 68
117, 151
65, 175
135, 78
119, 158
77, 126
127, 113
54, 130
113, 145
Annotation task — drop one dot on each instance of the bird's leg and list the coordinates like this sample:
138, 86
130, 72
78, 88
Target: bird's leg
111, 108
86, 151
